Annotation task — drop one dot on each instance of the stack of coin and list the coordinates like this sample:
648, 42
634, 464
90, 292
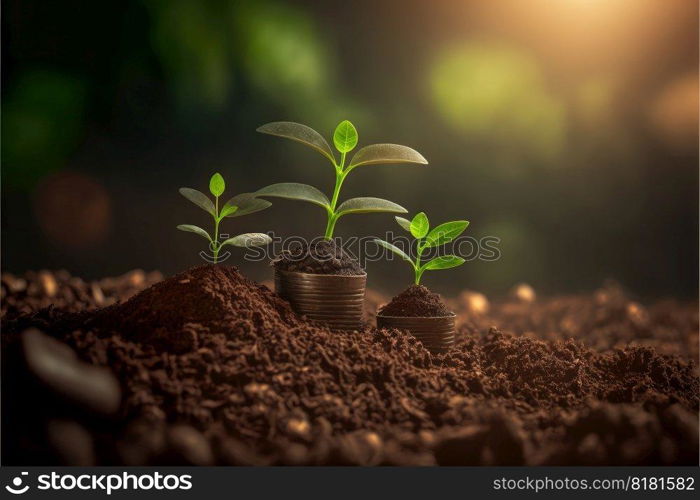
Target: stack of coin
437, 333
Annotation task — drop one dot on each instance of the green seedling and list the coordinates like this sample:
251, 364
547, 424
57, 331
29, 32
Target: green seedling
242, 204
419, 227
345, 139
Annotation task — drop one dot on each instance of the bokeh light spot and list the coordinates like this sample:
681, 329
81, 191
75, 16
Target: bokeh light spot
73, 210
674, 113
497, 95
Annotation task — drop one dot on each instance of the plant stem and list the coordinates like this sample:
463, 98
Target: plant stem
216, 231
339, 178
330, 226
416, 266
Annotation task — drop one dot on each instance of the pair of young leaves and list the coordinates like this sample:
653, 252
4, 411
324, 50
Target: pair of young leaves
419, 227
242, 204
345, 139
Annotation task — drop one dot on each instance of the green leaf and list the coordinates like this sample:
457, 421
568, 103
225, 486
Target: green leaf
194, 229
246, 240
419, 225
444, 233
252, 207
393, 248
345, 137
444, 262
200, 199
300, 133
227, 210
240, 200
386, 153
404, 223
217, 184
366, 205
295, 191
247, 203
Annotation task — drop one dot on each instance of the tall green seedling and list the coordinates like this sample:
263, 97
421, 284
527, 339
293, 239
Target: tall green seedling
345, 139
242, 204
419, 227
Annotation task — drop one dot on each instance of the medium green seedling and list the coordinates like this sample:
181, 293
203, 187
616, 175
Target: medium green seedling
419, 227
345, 139
242, 204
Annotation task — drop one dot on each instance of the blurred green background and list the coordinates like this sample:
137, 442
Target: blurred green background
568, 129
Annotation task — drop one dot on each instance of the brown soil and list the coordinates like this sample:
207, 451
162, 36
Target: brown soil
567, 380
416, 301
318, 257
36, 290
177, 314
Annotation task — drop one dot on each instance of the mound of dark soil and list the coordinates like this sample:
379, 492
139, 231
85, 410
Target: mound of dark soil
416, 301
175, 314
317, 257
255, 384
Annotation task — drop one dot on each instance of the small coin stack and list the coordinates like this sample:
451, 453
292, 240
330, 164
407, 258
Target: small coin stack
337, 300
436, 333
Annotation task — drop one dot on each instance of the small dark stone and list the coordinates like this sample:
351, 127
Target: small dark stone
461, 447
185, 445
71, 442
57, 366
141, 442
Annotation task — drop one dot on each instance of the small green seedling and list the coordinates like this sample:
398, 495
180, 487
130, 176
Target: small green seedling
345, 140
242, 204
419, 228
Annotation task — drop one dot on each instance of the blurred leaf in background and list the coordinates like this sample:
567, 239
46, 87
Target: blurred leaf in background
206, 47
289, 60
193, 44
43, 120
